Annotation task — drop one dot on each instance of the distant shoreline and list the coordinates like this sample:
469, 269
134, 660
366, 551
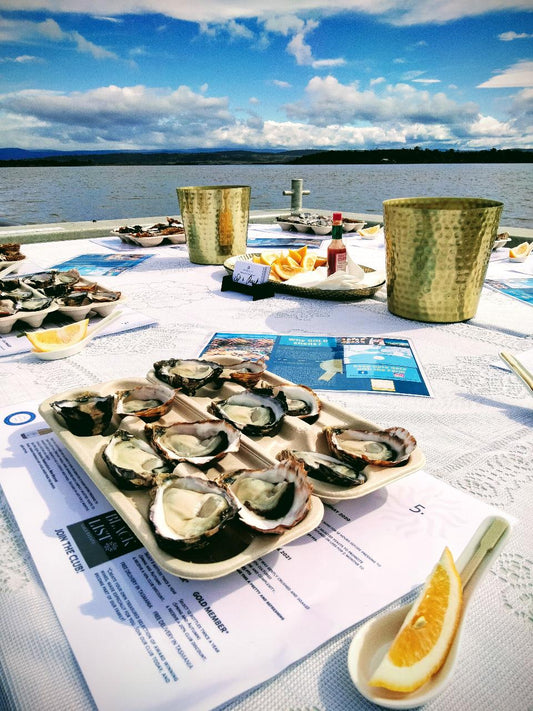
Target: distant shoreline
408, 156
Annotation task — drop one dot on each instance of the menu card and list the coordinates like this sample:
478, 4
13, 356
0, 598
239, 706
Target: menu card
145, 639
362, 363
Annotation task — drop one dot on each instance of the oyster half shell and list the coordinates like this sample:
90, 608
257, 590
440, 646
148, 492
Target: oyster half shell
253, 413
187, 374
200, 443
131, 461
85, 415
383, 448
326, 468
302, 402
149, 402
271, 500
245, 372
186, 511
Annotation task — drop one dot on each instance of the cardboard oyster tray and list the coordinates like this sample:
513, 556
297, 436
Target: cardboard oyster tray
236, 545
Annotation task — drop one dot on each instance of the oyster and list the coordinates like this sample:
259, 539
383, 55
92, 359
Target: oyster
244, 372
149, 402
383, 448
187, 511
254, 413
187, 374
131, 461
302, 402
199, 443
272, 500
87, 414
326, 468
101, 296
8, 305
35, 302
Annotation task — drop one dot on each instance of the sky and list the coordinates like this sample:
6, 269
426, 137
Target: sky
160, 75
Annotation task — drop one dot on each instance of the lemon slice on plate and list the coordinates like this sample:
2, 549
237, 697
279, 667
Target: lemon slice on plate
420, 648
52, 339
369, 231
521, 251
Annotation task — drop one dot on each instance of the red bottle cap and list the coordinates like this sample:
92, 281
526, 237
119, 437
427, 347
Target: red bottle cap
337, 217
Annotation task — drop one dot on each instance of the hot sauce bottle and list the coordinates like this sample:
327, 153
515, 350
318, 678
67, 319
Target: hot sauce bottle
337, 260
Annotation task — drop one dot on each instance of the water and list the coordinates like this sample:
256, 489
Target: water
65, 194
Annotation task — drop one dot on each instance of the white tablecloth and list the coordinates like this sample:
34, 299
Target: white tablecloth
475, 431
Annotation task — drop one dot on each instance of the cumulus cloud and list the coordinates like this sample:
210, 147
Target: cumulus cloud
518, 75
27, 30
22, 59
329, 101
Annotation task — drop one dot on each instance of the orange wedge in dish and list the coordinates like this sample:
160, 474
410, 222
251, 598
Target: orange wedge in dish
286, 268
298, 254
308, 263
320, 262
54, 338
268, 257
423, 641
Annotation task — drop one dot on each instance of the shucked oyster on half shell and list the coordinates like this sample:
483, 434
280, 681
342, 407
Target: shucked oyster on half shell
200, 443
85, 415
187, 511
245, 372
131, 461
325, 468
187, 374
149, 402
302, 402
253, 413
271, 500
383, 448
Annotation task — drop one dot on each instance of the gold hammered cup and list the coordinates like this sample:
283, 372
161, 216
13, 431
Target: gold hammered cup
437, 253
215, 218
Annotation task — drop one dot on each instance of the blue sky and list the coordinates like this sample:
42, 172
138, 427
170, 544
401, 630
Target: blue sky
186, 74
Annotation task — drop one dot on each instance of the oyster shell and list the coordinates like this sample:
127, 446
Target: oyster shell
383, 448
199, 443
326, 468
8, 305
271, 500
87, 414
302, 402
245, 372
187, 511
149, 402
254, 413
131, 461
187, 374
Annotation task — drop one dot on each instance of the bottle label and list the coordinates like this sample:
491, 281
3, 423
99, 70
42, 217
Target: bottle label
340, 261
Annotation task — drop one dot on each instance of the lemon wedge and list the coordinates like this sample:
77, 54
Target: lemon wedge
521, 251
52, 339
369, 231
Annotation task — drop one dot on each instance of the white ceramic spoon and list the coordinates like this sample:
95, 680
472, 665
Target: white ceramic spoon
80, 345
372, 641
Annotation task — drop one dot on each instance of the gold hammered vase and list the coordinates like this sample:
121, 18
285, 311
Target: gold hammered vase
215, 218
437, 252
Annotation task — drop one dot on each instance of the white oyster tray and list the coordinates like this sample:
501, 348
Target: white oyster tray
236, 545
299, 435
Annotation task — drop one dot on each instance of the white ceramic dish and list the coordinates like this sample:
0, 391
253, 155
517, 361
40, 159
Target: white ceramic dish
133, 505
373, 639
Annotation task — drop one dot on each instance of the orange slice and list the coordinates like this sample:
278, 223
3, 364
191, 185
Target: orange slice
286, 270
298, 254
54, 338
424, 639
320, 262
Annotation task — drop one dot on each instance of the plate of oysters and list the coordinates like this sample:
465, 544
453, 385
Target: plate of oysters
214, 463
171, 231
32, 297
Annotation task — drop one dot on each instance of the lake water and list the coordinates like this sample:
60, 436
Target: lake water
59, 194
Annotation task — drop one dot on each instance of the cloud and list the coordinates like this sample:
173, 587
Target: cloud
398, 12
426, 81
517, 75
281, 84
510, 36
329, 101
27, 30
22, 59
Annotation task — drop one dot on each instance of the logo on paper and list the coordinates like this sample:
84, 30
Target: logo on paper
15, 419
